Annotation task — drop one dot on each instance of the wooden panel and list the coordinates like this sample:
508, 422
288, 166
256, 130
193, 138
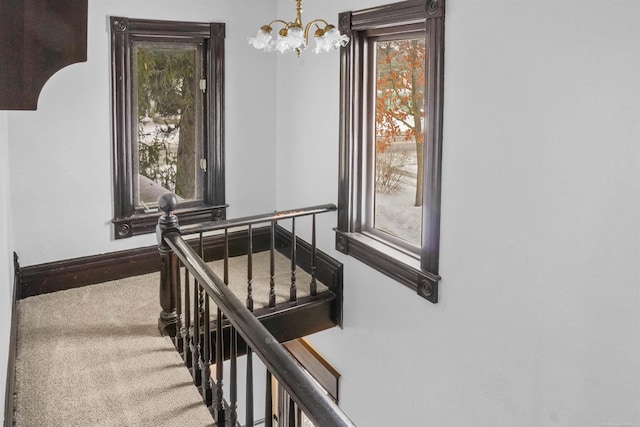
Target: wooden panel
37, 38
290, 321
319, 368
301, 319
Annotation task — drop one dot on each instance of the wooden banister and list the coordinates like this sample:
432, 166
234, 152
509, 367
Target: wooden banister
309, 397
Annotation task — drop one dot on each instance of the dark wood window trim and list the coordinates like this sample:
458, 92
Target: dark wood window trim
417, 271
127, 222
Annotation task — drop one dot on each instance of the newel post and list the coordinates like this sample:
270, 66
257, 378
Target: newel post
168, 267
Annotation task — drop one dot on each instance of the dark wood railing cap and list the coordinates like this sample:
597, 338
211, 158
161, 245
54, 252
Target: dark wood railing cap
257, 219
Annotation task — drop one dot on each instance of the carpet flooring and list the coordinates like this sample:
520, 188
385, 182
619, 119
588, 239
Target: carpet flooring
93, 356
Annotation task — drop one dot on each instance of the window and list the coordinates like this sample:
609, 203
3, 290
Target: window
391, 140
168, 121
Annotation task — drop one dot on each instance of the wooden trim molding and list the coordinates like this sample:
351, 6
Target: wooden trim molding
37, 39
146, 223
377, 256
77, 272
74, 273
9, 401
319, 368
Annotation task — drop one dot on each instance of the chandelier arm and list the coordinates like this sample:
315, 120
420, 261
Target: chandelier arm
308, 27
285, 23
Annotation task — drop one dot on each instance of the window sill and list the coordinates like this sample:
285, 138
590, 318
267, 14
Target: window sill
145, 223
390, 261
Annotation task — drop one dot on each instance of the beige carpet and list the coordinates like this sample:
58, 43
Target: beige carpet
261, 278
93, 356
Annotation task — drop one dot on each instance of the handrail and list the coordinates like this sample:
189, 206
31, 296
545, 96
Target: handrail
316, 404
255, 219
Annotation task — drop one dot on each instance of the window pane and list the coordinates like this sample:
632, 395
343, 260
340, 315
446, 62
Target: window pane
168, 114
399, 121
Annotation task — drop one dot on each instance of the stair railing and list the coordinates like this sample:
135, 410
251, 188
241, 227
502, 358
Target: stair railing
193, 335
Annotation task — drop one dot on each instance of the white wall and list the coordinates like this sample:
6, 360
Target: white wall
61, 153
6, 257
539, 319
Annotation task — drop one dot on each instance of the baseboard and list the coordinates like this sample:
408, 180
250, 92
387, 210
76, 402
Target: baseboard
74, 273
77, 272
13, 348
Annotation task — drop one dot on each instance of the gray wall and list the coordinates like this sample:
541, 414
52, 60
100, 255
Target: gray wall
538, 323
61, 153
539, 319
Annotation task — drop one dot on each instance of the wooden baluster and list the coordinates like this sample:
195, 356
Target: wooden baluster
293, 292
268, 403
205, 340
233, 387
250, 270
197, 360
249, 394
219, 397
188, 348
200, 289
226, 257
218, 404
201, 313
272, 266
314, 284
233, 351
175, 271
292, 413
206, 372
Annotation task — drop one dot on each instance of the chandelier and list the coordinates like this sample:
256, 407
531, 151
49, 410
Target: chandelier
294, 36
